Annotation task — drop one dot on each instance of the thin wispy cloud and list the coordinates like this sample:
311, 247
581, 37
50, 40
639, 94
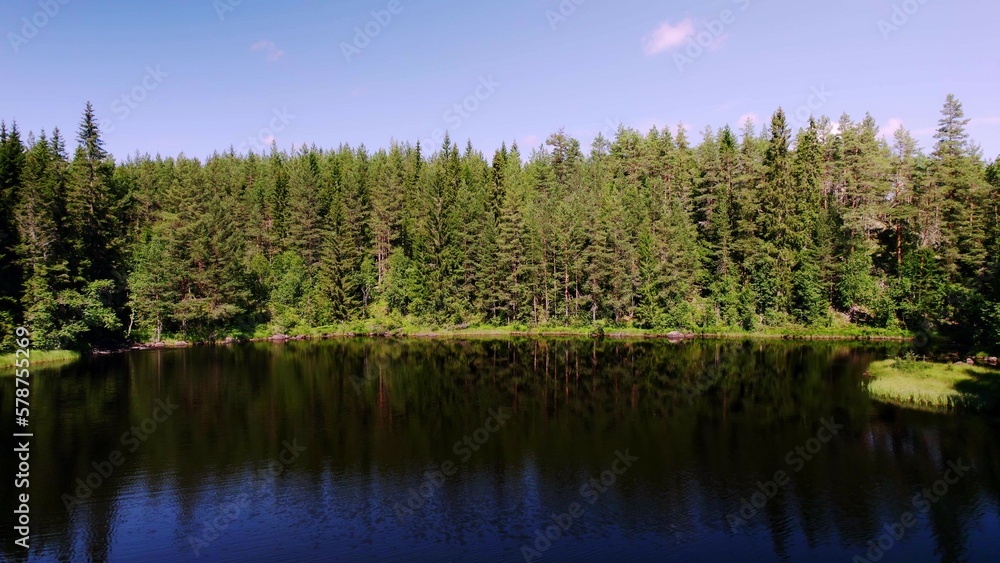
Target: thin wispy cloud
668, 36
889, 129
271, 51
749, 116
718, 42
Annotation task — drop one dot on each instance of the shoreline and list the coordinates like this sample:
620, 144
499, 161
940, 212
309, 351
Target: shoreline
37, 358
674, 336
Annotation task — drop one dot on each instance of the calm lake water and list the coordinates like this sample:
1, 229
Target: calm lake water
495, 450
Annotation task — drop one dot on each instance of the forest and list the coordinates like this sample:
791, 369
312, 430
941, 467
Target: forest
826, 227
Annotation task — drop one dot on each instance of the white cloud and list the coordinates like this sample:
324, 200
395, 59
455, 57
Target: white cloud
271, 51
889, 129
749, 115
718, 42
668, 36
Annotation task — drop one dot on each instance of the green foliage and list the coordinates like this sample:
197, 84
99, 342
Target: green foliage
8, 362
857, 287
935, 386
810, 304
770, 231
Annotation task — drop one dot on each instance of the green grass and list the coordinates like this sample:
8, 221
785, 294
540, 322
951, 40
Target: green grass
389, 324
935, 386
409, 327
38, 357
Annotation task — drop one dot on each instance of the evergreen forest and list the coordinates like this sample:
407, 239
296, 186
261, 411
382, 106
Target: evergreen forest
828, 228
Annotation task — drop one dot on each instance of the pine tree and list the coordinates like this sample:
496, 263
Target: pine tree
11, 165
649, 230
41, 258
810, 292
91, 219
778, 224
957, 178
152, 287
307, 208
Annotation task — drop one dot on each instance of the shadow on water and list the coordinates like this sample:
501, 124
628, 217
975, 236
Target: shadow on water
985, 388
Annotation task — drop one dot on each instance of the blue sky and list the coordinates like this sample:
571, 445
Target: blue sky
196, 76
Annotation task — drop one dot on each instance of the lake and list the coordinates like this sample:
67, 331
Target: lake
497, 450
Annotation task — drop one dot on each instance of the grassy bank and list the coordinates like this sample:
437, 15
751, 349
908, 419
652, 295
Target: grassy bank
395, 328
935, 386
841, 333
38, 357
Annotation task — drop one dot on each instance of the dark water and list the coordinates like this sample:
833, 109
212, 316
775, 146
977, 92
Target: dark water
321, 452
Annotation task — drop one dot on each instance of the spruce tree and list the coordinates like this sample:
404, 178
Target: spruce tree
11, 165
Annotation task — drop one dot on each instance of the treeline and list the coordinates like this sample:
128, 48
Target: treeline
821, 227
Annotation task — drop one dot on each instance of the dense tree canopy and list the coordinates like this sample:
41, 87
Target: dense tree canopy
824, 226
